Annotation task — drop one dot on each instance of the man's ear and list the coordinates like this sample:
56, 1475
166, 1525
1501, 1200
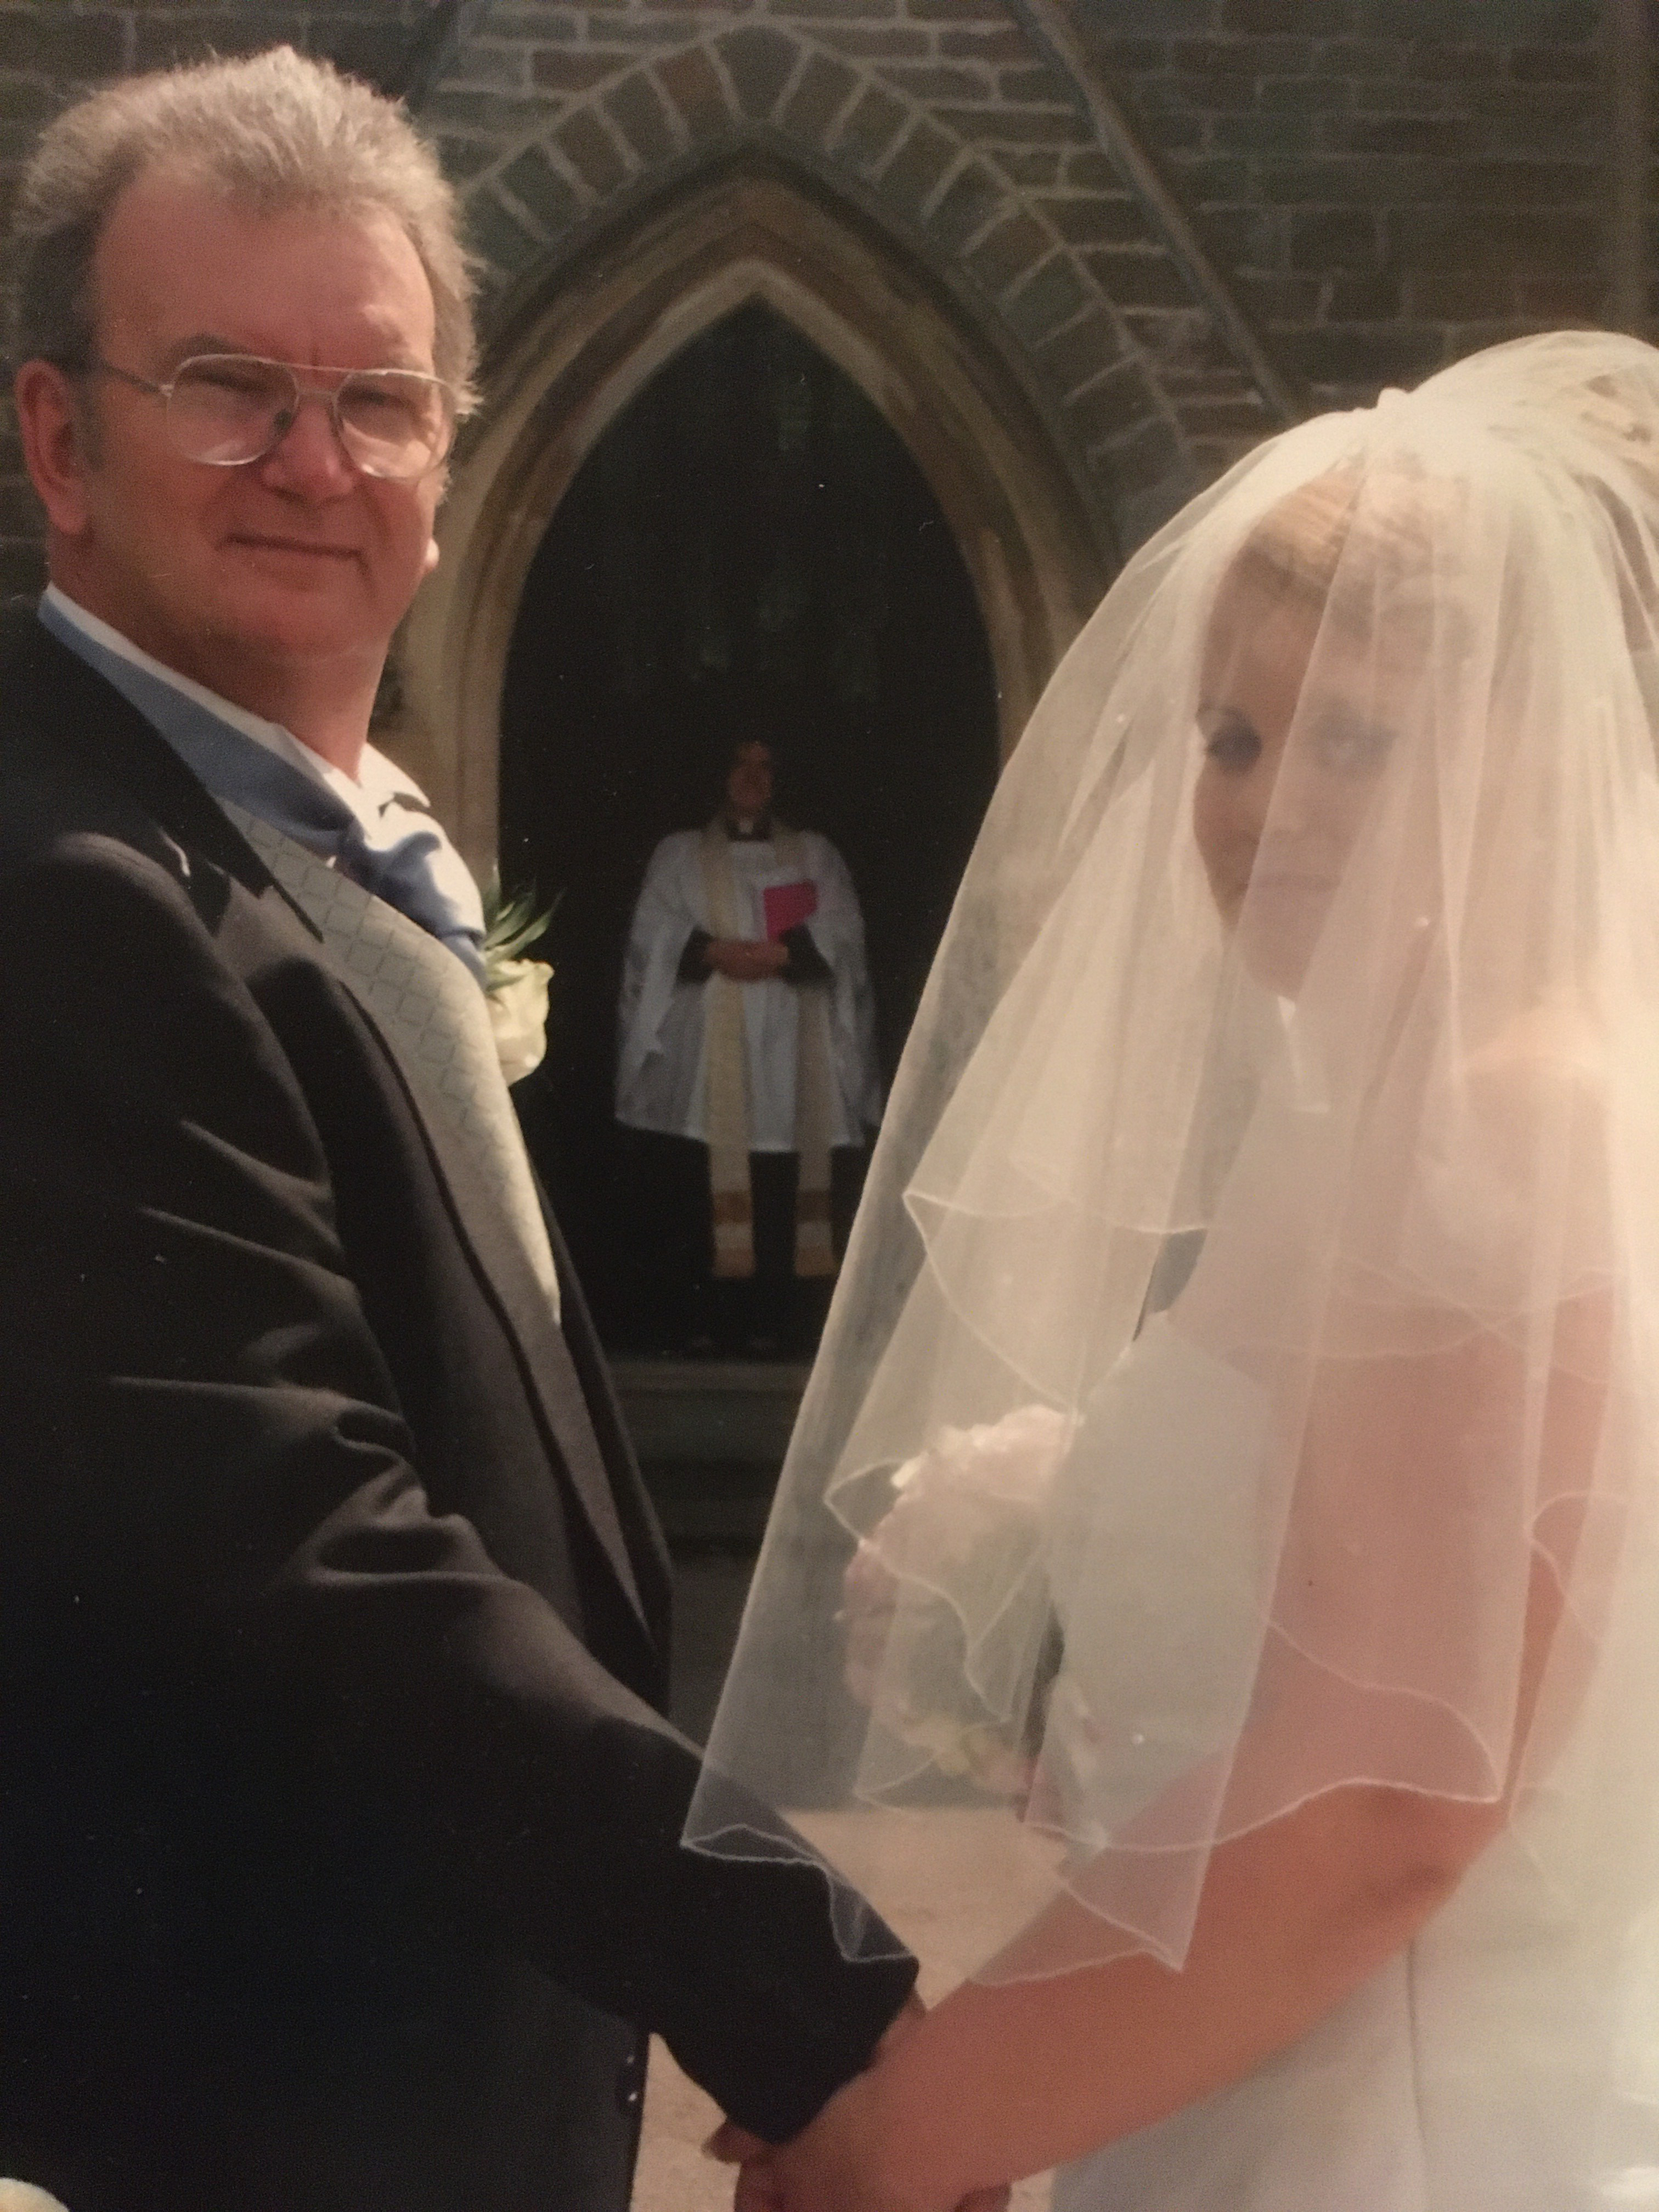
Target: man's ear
53, 432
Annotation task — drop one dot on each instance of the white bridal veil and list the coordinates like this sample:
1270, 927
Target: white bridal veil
1242, 1379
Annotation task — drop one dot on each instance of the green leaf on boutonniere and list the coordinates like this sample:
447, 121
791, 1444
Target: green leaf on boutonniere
511, 925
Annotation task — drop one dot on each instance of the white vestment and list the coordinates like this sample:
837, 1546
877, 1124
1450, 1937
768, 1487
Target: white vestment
662, 1074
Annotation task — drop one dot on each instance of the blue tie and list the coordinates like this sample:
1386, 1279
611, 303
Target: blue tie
395, 848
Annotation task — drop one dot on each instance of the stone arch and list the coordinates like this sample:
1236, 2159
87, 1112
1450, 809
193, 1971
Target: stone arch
1034, 544
1073, 284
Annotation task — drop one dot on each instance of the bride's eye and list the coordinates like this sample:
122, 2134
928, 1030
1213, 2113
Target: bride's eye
1347, 745
1230, 739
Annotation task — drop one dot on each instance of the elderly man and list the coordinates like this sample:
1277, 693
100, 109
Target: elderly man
338, 1833
747, 1062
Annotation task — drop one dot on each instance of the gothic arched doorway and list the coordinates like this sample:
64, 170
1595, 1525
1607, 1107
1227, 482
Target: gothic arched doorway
749, 549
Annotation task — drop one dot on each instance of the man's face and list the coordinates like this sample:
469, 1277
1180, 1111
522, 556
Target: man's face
749, 785
297, 557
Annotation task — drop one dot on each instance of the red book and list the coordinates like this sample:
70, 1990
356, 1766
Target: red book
787, 905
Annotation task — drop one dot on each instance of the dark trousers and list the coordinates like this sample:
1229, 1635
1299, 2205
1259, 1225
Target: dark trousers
678, 1303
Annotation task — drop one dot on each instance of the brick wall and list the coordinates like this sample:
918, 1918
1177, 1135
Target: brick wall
1382, 184
1390, 183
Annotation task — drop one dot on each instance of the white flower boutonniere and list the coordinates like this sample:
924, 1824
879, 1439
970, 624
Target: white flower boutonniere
515, 989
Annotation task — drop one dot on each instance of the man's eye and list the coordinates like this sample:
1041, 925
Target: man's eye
230, 381
1230, 741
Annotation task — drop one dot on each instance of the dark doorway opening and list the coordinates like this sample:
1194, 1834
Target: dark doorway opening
749, 550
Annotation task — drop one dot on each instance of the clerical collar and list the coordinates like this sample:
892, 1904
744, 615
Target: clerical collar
759, 831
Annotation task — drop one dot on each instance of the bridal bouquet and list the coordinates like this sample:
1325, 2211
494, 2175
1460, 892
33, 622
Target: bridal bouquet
928, 1592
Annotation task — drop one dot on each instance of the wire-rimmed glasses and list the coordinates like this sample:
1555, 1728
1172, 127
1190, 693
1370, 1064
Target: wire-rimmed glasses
228, 409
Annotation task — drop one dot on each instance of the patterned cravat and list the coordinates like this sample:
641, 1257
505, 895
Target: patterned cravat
432, 1012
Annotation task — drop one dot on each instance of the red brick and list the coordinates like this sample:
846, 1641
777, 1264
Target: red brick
498, 233
532, 178
1278, 299
576, 69
1114, 402
1140, 276
1146, 456
51, 42
1004, 254
987, 42
1363, 299
1579, 298
837, 11
910, 178
1311, 95
159, 41
1442, 135
1446, 239
1554, 65
693, 85
1471, 292
1434, 59
1077, 354
1321, 19
942, 82
1020, 126
1129, 57
874, 42
592, 152
1095, 218
1033, 86
639, 111
1530, 183
822, 92
1036, 166
1394, 353
1048, 299
759, 61
969, 202
1242, 415
871, 126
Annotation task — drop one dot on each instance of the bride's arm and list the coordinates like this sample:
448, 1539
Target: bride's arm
1007, 2078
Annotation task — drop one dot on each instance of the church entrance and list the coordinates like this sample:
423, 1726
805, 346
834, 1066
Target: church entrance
748, 552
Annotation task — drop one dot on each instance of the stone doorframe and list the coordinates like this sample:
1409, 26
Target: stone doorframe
585, 343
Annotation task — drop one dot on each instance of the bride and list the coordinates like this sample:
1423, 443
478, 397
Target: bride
1241, 1406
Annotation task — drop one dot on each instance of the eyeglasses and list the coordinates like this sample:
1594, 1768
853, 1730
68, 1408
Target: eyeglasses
228, 409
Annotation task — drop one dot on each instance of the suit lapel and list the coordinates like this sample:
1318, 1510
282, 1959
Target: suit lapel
428, 1014
49, 687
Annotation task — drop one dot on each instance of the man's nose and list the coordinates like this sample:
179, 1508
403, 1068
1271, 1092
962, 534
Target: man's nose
308, 459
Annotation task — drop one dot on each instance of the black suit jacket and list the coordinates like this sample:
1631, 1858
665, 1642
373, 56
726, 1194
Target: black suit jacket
339, 1859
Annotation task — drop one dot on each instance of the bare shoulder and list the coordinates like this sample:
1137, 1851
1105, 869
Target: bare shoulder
1554, 1054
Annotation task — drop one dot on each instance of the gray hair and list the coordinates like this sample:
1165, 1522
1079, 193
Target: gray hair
275, 132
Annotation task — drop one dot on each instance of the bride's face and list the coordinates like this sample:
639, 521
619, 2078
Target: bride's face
1292, 750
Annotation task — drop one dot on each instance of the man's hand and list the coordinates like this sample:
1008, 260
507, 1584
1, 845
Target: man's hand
746, 959
833, 2165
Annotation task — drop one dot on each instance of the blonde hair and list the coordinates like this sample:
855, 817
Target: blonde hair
1356, 545
1297, 547
275, 132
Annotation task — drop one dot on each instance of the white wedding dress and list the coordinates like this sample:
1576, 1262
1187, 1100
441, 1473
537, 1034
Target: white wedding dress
1508, 2061
1314, 918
